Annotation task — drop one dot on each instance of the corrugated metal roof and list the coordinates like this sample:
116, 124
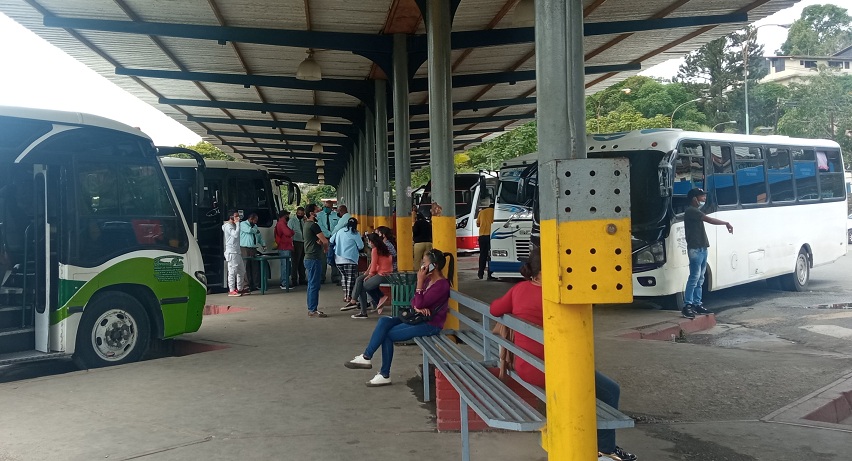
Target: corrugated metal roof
103, 51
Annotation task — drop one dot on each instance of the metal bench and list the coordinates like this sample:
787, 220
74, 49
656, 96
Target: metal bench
489, 397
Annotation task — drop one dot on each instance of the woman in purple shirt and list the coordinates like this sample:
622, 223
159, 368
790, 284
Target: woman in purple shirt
430, 298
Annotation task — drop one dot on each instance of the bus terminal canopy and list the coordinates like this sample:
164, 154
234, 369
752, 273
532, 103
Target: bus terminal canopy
255, 76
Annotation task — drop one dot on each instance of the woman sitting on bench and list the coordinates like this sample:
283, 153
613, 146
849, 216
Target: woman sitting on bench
430, 299
524, 301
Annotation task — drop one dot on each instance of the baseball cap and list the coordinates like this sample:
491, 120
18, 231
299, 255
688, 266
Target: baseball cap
697, 192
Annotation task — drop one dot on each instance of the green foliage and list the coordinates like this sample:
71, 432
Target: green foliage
488, 155
625, 118
823, 30
821, 107
207, 150
421, 177
314, 194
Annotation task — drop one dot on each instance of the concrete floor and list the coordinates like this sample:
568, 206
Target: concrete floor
280, 391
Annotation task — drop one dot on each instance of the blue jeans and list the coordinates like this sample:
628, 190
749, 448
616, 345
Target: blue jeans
697, 267
390, 330
285, 267
313, 268
607, 391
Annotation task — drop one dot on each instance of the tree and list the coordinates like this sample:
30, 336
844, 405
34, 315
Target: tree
625, 118
822, 30
207, 150
488, 155
821, 107
315, 194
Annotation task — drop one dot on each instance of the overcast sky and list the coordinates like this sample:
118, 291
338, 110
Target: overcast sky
46, 77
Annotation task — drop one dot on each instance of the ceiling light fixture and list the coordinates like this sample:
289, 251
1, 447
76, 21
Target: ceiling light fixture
320, 162
313, 124
309, 69
317, 148
320, 170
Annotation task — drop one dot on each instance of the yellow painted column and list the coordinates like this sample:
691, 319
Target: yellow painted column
383, 221
444, 239
404, 247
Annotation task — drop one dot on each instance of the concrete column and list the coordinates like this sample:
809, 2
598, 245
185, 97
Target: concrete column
402, 154
585, 233
362, 180
370, 151
382, 175
441, 133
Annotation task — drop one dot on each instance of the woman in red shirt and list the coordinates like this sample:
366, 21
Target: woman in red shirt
524, 301
284, 242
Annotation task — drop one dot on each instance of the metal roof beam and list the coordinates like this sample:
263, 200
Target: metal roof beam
331, 152
341, 128
455, 133
423, 109
360, 89
343, 41
349, 113
339, 140
423, 124
462, 81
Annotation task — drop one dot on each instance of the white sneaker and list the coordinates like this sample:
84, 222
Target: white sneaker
378, 381
608, 457
359, 362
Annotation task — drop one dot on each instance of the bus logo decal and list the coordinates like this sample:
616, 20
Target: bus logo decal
168, 268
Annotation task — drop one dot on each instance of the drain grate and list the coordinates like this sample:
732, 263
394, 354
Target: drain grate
831, 306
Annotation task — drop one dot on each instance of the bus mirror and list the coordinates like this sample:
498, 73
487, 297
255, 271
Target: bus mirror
291, 194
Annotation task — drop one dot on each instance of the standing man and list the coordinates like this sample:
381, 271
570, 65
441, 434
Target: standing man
236, 269
484, 221
250, 242
342, 218
297, 277
327, 220
284, 242
315, 247
696, 248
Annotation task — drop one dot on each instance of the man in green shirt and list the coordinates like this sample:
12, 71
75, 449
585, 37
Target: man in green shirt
315, 247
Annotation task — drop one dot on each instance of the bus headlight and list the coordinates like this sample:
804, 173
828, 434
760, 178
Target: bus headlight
500, 253
202, 277
461, 224
653, 254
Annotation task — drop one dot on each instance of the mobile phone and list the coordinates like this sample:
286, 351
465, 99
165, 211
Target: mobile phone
430, 267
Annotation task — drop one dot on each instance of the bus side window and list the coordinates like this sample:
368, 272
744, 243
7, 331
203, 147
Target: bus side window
722, 180
751, 174
804, 169
780, 175
831, 181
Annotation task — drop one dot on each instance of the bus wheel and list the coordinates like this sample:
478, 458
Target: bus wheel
671, 302
849, 235
114, 330
798, 280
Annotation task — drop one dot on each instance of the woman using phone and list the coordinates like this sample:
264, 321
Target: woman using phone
430, 299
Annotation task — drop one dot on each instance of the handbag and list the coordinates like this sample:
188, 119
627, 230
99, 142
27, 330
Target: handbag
363, 265
411, 317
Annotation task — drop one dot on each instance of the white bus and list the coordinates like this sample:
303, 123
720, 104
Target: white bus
510, 233
785, 197
241, 186
471, 193
97, 260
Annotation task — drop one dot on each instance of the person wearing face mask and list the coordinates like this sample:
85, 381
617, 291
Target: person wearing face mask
298, 276
696, 248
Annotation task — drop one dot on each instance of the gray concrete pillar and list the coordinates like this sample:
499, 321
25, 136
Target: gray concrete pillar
402, 153
382, 175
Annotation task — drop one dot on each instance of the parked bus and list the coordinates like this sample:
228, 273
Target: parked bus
510, 233
97, 259
786, 198
472, 191
241, 186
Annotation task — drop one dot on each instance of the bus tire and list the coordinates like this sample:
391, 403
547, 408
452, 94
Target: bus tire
114, 330
672, 302
798, 280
